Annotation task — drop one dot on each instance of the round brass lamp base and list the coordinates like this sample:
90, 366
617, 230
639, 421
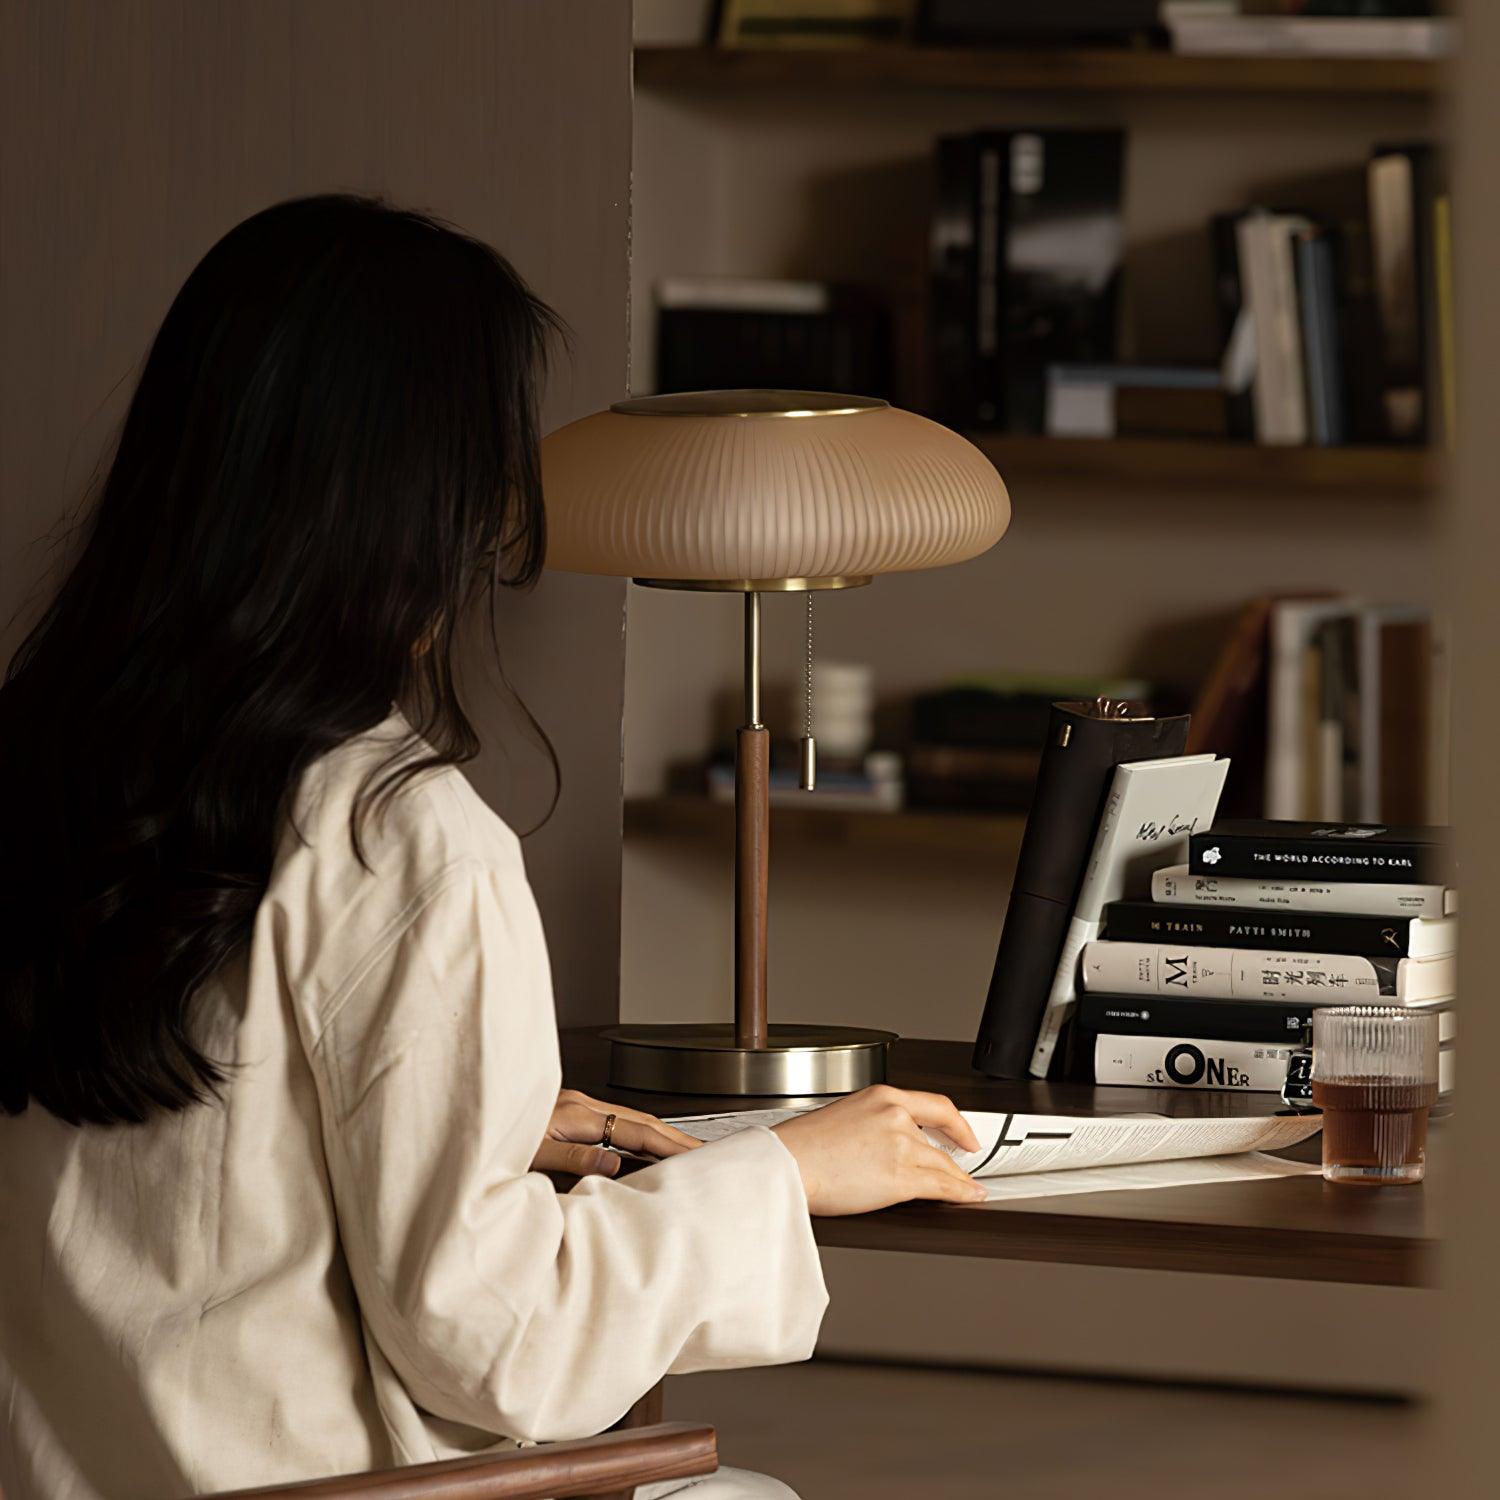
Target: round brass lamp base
705, 1060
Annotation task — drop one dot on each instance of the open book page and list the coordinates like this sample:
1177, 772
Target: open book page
1248, 1166
1010, 1145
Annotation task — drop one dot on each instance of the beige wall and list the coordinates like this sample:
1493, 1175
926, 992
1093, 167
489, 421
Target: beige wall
133, 135
1468, 1447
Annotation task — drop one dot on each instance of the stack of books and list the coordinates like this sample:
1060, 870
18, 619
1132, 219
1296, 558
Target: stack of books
1339, 324
1213, 982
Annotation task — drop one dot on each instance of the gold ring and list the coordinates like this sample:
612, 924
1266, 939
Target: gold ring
609, 1130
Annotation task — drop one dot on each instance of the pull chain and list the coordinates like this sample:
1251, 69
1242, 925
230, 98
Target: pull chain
809, 778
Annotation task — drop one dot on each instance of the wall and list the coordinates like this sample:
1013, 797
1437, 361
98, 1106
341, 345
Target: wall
1466, 1451
132, 136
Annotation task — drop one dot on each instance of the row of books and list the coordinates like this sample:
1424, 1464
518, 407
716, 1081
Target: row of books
1338, 327
1332, 708
1323, 28
1213, 982
1307, 28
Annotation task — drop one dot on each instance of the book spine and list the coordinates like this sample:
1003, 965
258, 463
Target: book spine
1235, 974
1177, 886
1218, 1020
1335, 859
990, 230
1395, 255
1191, 1063
1231, 927
1319, 374
954, 282
1239, 410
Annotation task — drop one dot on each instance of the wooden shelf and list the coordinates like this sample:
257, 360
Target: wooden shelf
938, 832
1059, 70
1181, 463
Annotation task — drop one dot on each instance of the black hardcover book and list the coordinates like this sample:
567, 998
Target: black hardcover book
1293, 931
1084, 745
1213, 1020
1239, 408
957, 397
843, 347
1269, 1021
1025, 256
1317, 304
1071, 23
1356, 853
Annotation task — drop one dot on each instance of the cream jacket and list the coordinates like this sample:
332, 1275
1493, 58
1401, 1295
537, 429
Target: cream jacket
347, 1263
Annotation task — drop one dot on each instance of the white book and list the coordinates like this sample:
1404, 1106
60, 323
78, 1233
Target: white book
1192, 1063
1153, 806
1268, 271
1290, 789
1173, 1062
1264, 974
1213, 33
1176, 885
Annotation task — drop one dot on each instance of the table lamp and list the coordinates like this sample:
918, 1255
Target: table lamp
754, 492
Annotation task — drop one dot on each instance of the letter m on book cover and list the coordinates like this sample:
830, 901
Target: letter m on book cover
1176, 971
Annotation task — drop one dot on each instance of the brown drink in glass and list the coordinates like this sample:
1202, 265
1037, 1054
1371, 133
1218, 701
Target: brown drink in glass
1374, 1076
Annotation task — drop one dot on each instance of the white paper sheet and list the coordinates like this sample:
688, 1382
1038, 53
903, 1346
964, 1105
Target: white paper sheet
1033, 1147
1248, 1166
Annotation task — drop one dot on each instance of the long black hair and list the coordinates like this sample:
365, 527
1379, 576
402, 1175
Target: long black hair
331, 450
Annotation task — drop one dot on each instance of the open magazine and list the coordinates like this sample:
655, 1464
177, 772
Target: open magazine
1011, 1144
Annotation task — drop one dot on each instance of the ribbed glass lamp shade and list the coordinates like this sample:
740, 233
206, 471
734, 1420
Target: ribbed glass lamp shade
756, 486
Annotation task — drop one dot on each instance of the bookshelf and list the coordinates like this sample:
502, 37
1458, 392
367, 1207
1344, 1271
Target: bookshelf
1186, 464
944, 833
1127, 556
1062, 70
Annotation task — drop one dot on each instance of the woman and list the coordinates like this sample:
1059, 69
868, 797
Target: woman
278, 1060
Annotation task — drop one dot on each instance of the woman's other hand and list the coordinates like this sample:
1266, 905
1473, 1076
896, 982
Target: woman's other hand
572, 1143
868, 1151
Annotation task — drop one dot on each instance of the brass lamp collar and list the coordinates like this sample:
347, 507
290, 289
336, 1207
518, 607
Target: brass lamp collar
757, 585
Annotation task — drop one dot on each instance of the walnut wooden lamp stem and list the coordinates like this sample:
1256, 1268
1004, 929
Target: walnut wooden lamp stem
752, 832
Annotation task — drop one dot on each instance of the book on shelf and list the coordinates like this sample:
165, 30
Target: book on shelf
1152, 808
1268, 274
1302, 931
1026, 250
1336, 314
1357, 712
1178, 886
877, 787
1122, 968
1340, 852
1219, 1020
1403, 190
1318, 315
714, 332
813, 23
977, 743
1208, 28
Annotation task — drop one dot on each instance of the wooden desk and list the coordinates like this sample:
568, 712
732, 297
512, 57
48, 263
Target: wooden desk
1299, 1228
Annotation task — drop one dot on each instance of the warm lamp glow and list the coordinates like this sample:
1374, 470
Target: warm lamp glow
765, 485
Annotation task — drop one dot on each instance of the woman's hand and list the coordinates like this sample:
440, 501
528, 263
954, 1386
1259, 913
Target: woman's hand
577, 1126
868, 1151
